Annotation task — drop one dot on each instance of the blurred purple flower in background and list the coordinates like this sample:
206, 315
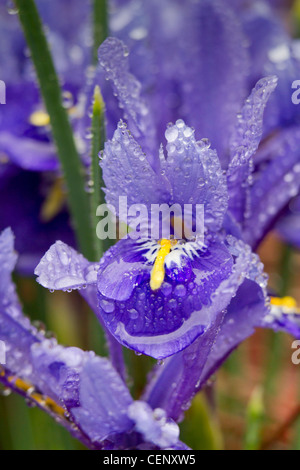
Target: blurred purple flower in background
28, 156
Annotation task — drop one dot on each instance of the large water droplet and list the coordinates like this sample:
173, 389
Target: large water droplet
11, 7
133, 314
107, 306
171, 134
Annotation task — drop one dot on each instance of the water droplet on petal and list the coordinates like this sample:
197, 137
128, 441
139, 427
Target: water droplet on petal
107, 306
171, 134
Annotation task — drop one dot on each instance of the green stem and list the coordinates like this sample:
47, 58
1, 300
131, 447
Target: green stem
254, 422
286, 269
61, 128
98, 139
100, 25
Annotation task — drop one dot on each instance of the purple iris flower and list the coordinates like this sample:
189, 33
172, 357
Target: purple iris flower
29, 170
231, 46
156, 296
83, 392
240, 43
86, 394
24, 127
191, 301
277, 160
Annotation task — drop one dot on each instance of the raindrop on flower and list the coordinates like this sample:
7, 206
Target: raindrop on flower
11, 8
171, 134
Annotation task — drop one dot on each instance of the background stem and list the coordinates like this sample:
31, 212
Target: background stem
100, 26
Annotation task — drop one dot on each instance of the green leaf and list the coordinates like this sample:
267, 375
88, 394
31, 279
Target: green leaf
200, 429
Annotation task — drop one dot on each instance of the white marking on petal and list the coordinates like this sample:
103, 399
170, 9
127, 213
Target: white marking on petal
182, 249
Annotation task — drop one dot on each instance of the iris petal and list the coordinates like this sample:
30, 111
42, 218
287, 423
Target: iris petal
163, 322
